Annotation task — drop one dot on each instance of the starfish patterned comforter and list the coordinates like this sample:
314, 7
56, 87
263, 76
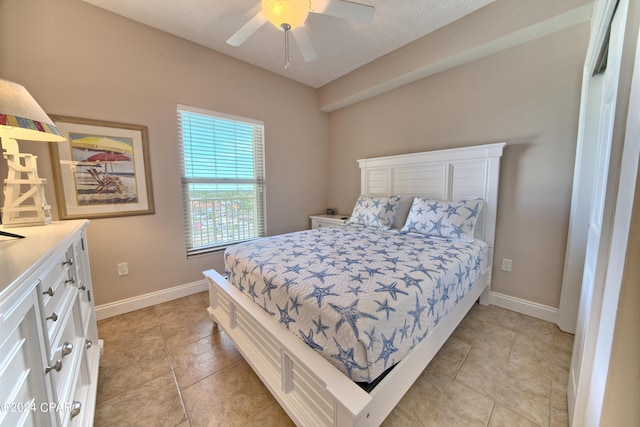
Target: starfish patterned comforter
361, 296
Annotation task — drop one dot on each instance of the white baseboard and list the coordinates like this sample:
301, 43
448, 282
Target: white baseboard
533, 309
105, 311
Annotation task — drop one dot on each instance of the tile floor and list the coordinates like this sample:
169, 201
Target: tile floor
168, 366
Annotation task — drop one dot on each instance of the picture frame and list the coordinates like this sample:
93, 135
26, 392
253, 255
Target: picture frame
102, 169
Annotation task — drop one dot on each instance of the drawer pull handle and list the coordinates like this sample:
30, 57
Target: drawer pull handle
68, 263
83, 288
53, 317
49, 292
72, 281
56, 367
75, 408
88, 344
67, 348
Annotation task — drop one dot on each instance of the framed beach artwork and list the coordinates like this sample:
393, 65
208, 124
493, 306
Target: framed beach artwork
102, 169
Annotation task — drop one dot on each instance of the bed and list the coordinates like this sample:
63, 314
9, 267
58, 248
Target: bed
365, 369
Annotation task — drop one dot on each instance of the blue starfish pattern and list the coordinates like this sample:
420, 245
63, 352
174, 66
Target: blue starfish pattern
320, 327
320, 275
384, 306
392, 289
285, 319
350, 314
346, 358
387, 348
416, 314
385, 289
268, 286
319, 293
308, 339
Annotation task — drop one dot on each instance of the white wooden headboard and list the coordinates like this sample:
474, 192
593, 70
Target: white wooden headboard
451, 174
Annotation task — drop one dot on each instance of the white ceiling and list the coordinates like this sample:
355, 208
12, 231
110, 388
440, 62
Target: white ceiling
342, 45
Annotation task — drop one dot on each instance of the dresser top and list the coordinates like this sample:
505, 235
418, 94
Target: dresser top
18, 256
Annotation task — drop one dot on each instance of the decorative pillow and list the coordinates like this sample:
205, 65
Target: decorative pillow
445, 219
372, 211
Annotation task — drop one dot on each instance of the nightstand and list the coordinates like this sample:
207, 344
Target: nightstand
318, 221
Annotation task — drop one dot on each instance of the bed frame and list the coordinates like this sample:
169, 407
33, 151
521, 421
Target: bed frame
311, 390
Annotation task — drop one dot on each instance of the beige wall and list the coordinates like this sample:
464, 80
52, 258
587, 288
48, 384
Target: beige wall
98, 65
527, 96
81, 61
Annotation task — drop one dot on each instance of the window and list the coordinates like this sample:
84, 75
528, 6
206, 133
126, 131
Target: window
222, 179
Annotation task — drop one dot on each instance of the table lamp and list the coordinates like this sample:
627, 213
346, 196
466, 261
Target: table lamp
21, 118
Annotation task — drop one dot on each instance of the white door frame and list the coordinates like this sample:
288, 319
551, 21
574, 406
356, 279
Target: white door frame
596, 321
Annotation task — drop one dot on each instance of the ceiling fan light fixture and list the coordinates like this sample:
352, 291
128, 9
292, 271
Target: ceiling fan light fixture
286, 14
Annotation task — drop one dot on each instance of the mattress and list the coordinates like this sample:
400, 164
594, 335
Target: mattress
360, 296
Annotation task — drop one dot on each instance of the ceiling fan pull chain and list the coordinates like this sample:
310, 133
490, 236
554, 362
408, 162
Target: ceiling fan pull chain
287, 29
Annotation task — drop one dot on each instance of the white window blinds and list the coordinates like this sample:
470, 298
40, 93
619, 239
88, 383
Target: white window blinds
223, 181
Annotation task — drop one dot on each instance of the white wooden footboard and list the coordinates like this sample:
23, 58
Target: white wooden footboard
311, 390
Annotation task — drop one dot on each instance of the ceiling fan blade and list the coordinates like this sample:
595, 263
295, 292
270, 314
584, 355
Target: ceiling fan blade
247, 30
344, 9
305, 44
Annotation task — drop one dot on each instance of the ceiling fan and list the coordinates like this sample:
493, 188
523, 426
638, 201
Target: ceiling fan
290, 16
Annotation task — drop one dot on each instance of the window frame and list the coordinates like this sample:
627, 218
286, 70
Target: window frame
259, 182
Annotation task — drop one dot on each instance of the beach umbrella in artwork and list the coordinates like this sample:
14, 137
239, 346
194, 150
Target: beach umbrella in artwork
108, 157
101, 143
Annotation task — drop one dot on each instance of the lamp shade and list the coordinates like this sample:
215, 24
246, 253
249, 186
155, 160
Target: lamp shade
291, 13
22, 118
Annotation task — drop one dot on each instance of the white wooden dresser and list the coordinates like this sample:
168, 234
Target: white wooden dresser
49, 347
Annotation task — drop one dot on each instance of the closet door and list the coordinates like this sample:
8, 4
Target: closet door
609, 212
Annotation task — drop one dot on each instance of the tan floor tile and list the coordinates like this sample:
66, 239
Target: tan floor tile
126, 321
563, 340
180, 306
205, 297
187, 329
479, 313
489, 337
545, 359
130, 339
502, 417
154, 403
449, 358
559, 410
271, 416
122, 371
523, 324
199, 359
512, 386
437, 400
219, 387
229, 397
402, 417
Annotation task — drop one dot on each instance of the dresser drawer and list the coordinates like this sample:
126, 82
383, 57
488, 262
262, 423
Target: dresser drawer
65, 353
60, 271
57, 309
81, 402
57, 288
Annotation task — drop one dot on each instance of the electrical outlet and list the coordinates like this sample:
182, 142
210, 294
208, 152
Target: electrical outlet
506, 264
123, 269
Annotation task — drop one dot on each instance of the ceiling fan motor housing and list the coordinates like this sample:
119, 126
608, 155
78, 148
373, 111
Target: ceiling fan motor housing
286, 14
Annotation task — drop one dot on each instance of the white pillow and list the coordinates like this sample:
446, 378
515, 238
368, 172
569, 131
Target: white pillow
372, 211
444, 219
